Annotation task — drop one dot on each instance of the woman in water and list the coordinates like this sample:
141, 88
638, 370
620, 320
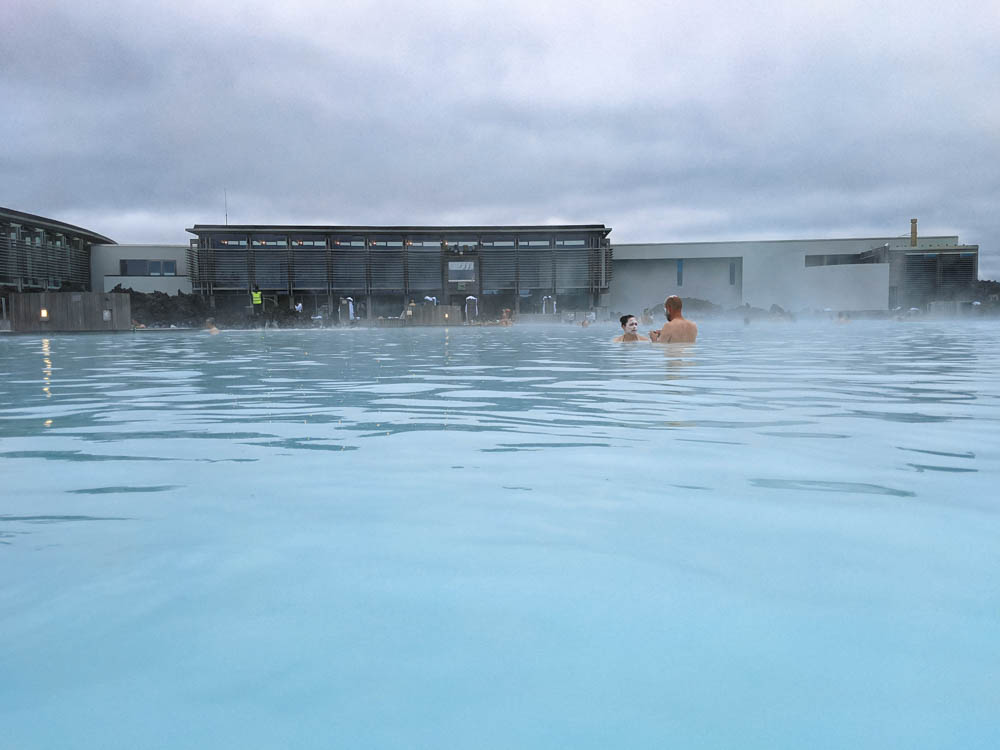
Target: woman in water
630, 326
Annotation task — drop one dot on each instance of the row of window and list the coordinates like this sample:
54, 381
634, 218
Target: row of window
680, 273
229, 269
841, 259
148, 267
281, 241
39, 237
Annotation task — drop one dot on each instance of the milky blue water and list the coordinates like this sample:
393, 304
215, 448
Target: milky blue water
782, 536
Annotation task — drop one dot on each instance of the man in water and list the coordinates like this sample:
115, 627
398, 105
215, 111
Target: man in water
677, 329
630, 328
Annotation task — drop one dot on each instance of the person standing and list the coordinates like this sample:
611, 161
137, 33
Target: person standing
257, 300
677, 329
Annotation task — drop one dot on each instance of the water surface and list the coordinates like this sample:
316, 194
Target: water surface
785, 535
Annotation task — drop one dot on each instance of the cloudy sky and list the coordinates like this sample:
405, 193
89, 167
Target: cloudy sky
668, 121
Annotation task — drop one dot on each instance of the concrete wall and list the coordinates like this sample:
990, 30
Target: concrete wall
849, 287
637, 284
105, 268
769, 272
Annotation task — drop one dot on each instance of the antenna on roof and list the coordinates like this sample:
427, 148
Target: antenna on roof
225, 198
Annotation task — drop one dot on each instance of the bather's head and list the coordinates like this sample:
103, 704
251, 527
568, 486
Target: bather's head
672, 305
629, 323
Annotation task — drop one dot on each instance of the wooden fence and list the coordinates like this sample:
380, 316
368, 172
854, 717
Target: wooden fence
42, 312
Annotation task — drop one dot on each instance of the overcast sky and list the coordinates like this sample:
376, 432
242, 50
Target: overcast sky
668, 121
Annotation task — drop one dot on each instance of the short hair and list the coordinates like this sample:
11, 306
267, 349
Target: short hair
673, 302
625, 318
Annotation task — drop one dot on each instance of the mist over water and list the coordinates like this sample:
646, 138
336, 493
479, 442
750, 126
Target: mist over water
783, 535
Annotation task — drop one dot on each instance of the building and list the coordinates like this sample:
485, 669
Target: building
859, 274
141, 268
529, 269
380, 268
39, 254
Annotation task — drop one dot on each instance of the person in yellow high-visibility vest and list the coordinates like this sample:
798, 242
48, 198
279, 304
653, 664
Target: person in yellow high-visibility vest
258, 300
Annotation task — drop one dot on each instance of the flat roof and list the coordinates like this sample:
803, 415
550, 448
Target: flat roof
316, 229
10, 214
921, 238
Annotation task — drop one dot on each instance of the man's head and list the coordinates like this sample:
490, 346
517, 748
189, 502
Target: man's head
672, 305
629, 323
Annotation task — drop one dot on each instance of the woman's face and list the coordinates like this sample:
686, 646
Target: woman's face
631, 325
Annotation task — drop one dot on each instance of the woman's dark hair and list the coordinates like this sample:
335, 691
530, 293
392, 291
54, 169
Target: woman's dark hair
624, 319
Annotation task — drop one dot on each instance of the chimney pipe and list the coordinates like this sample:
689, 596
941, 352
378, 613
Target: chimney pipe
913, 232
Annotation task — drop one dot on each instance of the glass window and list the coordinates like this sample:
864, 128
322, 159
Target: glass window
461, 270
155, 268
230, 241
462, 242
680, 273
732, 274
499, 243
309, 241
269, 240
170, 268
134, 268
354, 241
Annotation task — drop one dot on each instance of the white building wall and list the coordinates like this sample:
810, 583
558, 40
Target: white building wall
637, 284
105, 268
847, 287
773, 272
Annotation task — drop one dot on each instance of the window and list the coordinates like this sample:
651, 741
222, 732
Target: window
309, 241
269, 241
832, 260
228, 242
461, 243
732, 274
142, 267
461, 270
500, 242
348, 241
680, 273
134, 268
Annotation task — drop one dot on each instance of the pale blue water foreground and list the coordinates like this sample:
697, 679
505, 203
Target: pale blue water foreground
787, 535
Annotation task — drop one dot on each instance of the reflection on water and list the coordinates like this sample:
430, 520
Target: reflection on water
522, 537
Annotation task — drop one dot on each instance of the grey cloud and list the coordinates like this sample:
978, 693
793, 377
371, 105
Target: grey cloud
738, 134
